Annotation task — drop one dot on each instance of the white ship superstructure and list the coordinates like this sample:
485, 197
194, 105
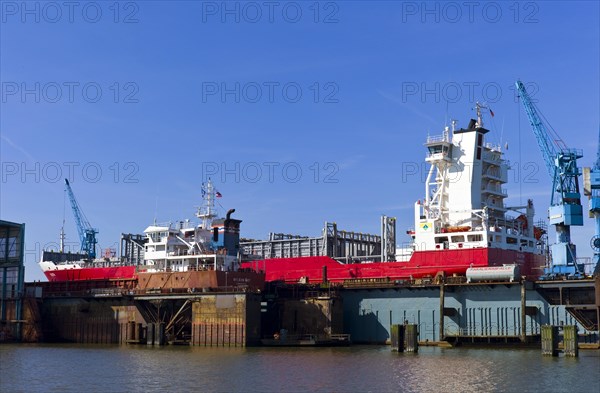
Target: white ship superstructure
464, 198
184, 246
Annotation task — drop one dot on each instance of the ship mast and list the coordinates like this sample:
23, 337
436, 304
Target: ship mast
62, 237
478, 107
207, 211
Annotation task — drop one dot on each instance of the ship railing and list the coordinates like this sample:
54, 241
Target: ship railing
493, 174
493, 157
403, 257
571, 151
106, 292
492, 146
492, 188
437, 138
587, 263
194, 290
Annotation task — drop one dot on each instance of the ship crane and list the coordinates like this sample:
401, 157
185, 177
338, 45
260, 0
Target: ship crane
591, 180
565, 202
87, 234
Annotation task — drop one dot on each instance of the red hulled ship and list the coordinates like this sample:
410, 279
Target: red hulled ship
461, 223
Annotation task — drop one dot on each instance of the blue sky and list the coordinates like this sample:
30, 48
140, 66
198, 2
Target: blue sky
171, 92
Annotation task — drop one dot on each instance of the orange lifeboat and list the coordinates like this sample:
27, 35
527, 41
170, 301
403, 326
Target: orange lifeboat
458, 229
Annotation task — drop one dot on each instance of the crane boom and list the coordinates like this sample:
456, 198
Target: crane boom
87, 234
565, 202
547, 146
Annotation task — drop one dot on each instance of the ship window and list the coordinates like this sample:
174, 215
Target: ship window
530, 243
160, 248
511, 240
441, 239
474, 238
215, 234
458, 239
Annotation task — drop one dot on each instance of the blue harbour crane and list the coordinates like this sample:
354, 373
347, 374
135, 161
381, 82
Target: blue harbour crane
565, 202
87, 234
591, 188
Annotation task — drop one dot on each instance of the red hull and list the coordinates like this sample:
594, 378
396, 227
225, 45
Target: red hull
422, 264
92, 273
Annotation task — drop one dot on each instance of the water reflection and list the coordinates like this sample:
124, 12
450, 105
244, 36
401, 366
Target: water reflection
70, 368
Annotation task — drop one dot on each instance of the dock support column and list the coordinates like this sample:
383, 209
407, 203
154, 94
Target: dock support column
150, 333
523, 306
442, 300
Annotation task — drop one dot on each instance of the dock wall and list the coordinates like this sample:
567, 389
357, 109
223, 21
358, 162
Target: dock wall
488, 313
231, 320
200, 319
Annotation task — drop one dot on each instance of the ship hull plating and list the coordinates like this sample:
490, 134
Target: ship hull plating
421, 264
92, 273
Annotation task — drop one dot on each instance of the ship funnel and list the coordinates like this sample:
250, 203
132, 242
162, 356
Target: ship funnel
229, 213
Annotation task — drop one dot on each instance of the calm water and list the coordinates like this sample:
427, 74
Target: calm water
70, 368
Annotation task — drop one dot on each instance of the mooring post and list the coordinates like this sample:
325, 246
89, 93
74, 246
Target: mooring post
549, 340
523, 306
411, 338
397, 338
570, 340
442, 297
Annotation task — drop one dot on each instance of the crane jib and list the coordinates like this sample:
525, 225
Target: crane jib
87, 234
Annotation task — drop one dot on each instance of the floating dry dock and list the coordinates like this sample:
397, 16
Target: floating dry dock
459, 312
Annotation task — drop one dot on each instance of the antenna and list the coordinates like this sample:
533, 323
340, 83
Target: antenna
62, 237
502, 133
156, 210
62, 229
446, 117
454, 123
207, 211
478, 107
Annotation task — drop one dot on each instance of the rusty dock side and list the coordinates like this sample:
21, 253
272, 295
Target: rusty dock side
189, 308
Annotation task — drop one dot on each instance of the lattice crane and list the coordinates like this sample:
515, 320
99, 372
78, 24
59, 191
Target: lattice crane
87, 234
565, 203
591, 188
